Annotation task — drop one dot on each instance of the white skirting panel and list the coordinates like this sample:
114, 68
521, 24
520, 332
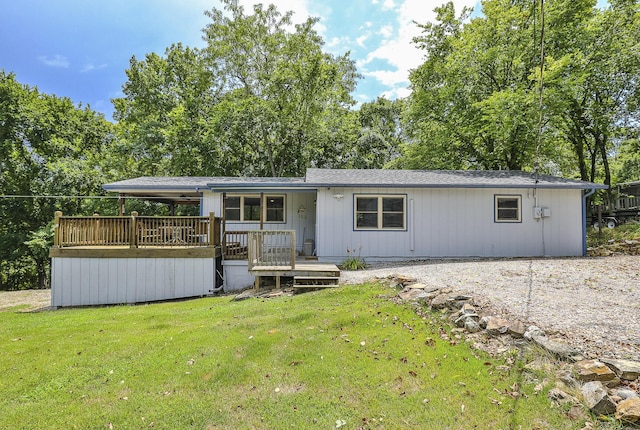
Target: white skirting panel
236, 275
102, 281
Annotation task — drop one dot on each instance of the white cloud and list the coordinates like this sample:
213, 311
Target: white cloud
56, 61
91, 67
397, 48
360, 40
386, 31
388, 4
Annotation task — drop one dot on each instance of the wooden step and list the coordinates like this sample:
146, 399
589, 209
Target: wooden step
316, 286
307, 278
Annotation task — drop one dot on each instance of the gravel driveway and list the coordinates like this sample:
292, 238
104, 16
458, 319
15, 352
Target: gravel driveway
593, 302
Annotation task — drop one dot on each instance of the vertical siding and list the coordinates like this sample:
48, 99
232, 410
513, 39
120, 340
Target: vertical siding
454, 223
99, 281
302, 223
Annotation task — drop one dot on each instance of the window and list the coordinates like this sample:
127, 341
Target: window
379, 212
507, 208
247, 208
275, 208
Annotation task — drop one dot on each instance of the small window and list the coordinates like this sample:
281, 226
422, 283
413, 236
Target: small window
275, 208
508, 208
247, 208
380, 212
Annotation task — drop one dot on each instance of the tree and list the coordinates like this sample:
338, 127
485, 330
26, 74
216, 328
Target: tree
255, 101
164, 118
48, 147
472, 104
278, 88
476, 100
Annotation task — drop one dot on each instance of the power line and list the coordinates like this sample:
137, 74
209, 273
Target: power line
45, 196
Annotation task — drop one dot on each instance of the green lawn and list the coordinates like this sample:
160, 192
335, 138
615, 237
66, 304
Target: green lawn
345, 357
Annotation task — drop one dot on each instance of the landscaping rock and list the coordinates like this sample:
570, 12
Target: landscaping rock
625, 393
494, 325
409, 293
557, 348
468, 309
593, 370
517, 329
471, 325
559, 396
440, 301
625, 369
596, 398
533, 331
629, 410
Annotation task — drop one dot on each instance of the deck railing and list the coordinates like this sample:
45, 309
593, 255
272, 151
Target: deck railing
235, 245
271, 248
136, 231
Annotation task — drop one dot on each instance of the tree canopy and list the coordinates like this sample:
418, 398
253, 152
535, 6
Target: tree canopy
263, 98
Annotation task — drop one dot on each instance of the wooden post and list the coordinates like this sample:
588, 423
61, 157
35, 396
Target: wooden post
95, 239
262, 210
121, 201
293, 249
214, 230
133, 233
56, 229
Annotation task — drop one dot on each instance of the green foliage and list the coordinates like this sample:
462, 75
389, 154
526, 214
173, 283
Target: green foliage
354, 261
306, 361
627, 231
48, 147
475, 101
261, 99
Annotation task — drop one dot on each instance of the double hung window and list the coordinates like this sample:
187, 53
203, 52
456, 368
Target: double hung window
380, 212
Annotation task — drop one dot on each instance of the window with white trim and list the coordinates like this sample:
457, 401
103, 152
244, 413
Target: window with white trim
247, 208
380, 212
508, 208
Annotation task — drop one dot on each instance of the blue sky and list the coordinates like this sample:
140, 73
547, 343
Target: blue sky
81, 48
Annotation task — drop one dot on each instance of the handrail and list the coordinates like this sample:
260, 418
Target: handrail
136, 231
271, 248
234, 245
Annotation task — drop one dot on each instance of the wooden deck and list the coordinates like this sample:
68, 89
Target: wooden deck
307, 275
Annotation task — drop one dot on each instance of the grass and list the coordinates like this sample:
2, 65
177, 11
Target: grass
627, 231
346, 357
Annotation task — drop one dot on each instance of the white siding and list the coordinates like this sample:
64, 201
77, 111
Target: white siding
100, 281
455, 222
302, 222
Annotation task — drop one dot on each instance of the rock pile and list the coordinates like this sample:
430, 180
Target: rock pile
607, 386
625, 247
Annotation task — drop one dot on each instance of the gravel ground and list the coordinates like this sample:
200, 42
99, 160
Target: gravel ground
593, 302
25, 300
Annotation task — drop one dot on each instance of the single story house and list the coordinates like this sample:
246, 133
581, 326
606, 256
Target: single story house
253, 227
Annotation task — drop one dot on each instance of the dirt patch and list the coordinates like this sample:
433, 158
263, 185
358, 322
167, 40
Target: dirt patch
25, 300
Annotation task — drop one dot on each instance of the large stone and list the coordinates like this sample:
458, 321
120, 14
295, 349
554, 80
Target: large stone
596, 398
471, 325
557, 348
517, 329
593, 370
495, 325
440, 301
629, 410
408, 294
533, 331
625, 369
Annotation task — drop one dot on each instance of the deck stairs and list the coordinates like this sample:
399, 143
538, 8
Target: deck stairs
316, 281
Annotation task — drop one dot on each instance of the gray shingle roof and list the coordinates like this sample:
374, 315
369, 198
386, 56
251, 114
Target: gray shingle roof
360, 178
440, 178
